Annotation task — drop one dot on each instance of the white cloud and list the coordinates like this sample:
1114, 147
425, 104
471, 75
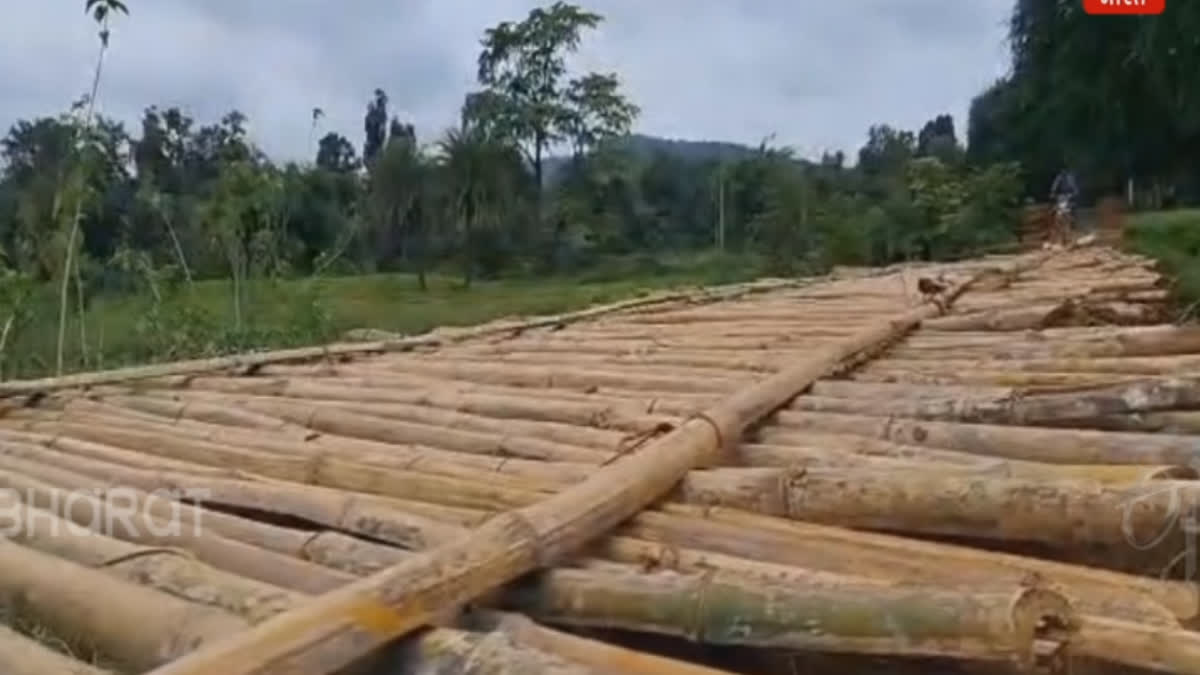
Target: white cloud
814, 73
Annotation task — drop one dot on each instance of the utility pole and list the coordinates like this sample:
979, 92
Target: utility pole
721, 213
720, 233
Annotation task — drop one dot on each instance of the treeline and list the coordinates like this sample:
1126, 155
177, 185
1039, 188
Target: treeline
201, 200
540, 175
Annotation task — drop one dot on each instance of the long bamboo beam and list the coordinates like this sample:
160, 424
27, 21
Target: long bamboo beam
345, 624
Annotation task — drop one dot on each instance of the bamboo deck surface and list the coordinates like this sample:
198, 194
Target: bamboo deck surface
1008, 485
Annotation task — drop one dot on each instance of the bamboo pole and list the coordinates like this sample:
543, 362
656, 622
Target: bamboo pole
592, 653
370, 516
517, 375
225, 542
20, 655
1014, 409
336, 628
170, 570
160, 567
1129, 365
552, 432
726, 481
499, 402
1069, 312
890, 391
866, 554
1038, 444
366, 557
1110, 343
1138, 645
999, 378
1167, 422
569, 593
448, 651
1135, 524
280, 459
76, 600
793, 449
403, 477
251, 537
719, 609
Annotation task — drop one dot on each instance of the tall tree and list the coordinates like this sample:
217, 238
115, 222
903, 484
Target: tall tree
398, 185
483, 176
938, 139
336, 153
375, 127
527, 92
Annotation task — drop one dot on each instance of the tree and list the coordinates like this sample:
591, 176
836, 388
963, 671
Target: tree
397, 188
886, 149
483, 178
335, 153
38, 156
526, 94
244, 215
784, 227
400, 130
938, 139
375, 127
1112, 96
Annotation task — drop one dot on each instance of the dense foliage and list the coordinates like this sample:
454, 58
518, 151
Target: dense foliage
540, 175
1112, 96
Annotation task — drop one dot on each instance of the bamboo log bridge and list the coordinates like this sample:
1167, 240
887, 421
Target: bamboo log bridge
825, 466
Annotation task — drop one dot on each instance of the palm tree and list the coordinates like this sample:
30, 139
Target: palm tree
484, 176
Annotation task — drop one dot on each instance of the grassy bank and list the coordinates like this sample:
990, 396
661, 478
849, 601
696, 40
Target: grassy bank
1173, 238
188, 322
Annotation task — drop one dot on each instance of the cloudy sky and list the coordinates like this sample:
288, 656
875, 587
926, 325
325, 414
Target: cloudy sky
816, 74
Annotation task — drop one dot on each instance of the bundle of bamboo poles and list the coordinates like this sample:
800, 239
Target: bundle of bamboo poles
969, 493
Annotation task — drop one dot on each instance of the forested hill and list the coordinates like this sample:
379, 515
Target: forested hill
698, 151
645, 147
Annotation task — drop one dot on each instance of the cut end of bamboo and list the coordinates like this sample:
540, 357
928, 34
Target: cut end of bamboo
1042, 624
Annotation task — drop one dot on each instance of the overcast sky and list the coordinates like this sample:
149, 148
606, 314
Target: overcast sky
814, 73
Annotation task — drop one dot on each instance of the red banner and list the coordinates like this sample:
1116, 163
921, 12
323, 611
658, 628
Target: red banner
1124, 6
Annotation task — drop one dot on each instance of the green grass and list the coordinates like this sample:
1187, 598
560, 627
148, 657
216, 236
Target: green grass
1172, 238
199, 321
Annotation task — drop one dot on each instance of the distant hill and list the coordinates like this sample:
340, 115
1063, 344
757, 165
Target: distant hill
696, 151
647, 146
